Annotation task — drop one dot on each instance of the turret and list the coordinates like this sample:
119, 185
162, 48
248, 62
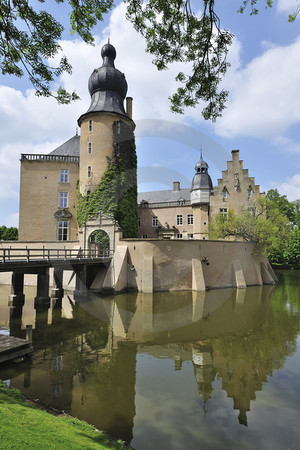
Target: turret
201, 184
107, 172
105, 123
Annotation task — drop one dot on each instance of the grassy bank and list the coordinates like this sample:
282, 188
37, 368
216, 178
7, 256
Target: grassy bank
22, 425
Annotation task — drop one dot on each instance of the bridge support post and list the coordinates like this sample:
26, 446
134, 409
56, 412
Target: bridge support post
42, 291
58, 282
81, 288
17, 289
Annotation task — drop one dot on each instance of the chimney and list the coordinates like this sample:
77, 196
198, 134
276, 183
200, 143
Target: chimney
176, 186
235, 155
129, 107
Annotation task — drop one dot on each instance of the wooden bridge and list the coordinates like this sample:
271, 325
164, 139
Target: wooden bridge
20, 261
11, 257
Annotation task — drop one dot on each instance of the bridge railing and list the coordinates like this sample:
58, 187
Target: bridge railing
51, 254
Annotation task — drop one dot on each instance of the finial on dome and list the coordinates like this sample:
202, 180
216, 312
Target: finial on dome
201, 157
108, 53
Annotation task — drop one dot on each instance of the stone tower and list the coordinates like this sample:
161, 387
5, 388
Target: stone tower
200, 198
107, 173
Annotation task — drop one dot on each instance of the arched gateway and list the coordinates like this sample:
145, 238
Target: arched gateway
97, 235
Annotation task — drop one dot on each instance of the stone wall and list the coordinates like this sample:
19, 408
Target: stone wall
178, 265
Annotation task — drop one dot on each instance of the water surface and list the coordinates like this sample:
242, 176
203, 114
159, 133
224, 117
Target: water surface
213, 370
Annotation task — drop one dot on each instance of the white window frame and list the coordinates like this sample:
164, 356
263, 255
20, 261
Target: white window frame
90, 125
179, 219
179, 236
190, 219
89, 171
224, 213
63, 199
64, 176
155, 221
144, 236
190, 236
63, 230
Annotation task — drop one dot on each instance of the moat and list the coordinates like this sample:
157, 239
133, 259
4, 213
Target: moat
213, 370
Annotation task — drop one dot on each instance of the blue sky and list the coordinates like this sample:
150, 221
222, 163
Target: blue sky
261, 119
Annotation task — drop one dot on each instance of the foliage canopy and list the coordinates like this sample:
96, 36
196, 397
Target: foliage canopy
273, 224
8, 234
174, 32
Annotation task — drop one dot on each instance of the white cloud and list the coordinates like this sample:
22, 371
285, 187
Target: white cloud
287, 6
264, 96
290, 188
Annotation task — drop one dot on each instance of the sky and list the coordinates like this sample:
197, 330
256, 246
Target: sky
261, 119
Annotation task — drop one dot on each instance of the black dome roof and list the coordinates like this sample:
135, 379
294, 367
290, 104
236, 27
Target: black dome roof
201, 178
107, 77
107, 86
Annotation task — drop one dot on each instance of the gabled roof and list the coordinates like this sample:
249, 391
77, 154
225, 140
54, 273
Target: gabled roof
165, 196
68, 148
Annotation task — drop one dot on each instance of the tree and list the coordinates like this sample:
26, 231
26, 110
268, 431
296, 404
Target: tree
275, 200
296, 204
8, 234
292, 248
267, 228
173, 32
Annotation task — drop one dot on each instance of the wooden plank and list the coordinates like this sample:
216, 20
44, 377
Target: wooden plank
12, 347
11, 343
15, 354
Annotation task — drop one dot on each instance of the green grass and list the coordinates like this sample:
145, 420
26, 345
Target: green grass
25, 426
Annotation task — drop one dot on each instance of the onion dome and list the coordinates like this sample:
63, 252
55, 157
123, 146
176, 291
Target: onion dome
107, 85
201, 178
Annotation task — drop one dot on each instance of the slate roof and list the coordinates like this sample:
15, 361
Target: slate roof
164, 196
68, 148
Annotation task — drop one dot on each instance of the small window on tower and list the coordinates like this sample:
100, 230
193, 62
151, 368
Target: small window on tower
90, 125
89, 171
119, 127
90, 148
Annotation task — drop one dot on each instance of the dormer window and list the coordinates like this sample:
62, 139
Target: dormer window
181, 201
144, 204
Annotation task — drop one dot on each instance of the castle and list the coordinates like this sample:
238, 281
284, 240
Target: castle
60, 190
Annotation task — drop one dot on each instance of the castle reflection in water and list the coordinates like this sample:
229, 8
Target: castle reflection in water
85, 353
